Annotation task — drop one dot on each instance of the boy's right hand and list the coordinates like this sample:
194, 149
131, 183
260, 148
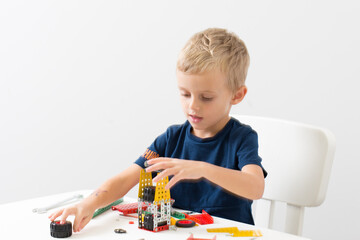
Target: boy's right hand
83, 214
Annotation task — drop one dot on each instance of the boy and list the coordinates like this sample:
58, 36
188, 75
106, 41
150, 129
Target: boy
212, 159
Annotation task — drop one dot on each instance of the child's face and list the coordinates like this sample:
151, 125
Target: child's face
206, 101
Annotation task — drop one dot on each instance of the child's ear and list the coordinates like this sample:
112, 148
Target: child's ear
239, 95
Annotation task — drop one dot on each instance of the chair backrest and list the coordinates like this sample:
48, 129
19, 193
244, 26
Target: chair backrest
298, 159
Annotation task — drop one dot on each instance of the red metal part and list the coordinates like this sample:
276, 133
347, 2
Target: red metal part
192, 238
128, 208
203, 218
162, 228
158, 229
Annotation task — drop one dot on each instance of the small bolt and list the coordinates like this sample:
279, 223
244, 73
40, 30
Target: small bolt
119, 230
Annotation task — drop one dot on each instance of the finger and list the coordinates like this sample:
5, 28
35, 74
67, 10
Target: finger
154, 167
51, 215
154, 160
159, 166
159, 160
65, 214
77, 222
54, 215
84, 222
164, 174
172, 182
149, 162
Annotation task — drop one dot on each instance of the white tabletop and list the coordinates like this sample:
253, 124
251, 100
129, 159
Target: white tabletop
17, 221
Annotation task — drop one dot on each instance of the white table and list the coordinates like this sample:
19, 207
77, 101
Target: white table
17, 221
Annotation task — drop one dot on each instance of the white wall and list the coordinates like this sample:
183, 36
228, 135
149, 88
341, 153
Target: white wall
85, 86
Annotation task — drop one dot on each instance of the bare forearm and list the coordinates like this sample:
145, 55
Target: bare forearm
114, 188
246, 184
110, 191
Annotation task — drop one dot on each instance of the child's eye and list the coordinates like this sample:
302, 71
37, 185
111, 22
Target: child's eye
206, 98
185, 95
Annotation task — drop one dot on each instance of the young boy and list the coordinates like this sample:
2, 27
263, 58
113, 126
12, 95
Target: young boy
212, 159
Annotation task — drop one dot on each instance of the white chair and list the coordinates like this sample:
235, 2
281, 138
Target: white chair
298, 159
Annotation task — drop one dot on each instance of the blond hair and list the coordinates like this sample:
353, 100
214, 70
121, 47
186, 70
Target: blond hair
216, 48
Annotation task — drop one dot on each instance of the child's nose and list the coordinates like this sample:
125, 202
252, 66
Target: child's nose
194, 104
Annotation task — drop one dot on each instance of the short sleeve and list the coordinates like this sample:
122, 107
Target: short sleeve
156, 149
248, 151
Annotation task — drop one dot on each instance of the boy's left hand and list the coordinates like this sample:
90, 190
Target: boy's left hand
178, 168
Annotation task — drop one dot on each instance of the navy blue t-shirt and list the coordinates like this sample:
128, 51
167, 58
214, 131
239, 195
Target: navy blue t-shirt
235, 146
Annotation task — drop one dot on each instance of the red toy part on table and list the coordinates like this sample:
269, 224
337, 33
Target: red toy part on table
192, 238
202, 219
128, 208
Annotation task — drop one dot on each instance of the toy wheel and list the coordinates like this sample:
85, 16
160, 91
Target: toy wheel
58, 230
184, 223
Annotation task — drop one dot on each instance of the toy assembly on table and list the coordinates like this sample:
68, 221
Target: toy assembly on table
154, 213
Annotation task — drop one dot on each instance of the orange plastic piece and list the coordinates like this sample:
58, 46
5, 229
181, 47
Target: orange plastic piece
201, 219
192, 238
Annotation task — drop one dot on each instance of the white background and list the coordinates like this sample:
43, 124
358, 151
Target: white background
85, 86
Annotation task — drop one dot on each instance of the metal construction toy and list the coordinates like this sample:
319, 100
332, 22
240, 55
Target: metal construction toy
157, 200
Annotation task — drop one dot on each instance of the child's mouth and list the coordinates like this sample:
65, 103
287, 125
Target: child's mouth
195, 119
